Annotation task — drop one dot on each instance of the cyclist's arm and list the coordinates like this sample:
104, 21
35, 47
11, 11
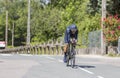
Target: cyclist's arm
67, 37
76, 36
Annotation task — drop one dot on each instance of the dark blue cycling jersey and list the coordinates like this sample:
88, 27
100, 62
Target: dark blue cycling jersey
68, 33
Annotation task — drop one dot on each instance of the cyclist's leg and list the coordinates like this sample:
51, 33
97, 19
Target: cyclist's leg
65, 57
65, 52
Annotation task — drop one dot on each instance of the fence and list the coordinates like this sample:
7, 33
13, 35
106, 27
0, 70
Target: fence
94, 39
94, 45
45, 48
57, 47
50, 48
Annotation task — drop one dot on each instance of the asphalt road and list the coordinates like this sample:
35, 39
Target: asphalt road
48, 66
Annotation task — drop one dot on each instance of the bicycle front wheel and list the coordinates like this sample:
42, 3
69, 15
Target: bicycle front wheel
72, 61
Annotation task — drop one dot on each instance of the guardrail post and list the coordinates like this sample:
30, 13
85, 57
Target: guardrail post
57, 47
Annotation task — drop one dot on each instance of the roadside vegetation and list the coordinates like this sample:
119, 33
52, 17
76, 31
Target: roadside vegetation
50, 19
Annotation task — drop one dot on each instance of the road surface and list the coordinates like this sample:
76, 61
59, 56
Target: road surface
52, 66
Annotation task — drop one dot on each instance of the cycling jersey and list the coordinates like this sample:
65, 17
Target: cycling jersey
69, 35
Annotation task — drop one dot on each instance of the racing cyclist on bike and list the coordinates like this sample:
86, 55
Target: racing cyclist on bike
71, 36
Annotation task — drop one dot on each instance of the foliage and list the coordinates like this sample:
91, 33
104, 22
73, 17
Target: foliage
89, 24
111, 28
94, 6
2, 27
49, 20
112, 7
48, 27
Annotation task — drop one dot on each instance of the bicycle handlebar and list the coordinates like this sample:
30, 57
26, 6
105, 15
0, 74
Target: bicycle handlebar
75, 44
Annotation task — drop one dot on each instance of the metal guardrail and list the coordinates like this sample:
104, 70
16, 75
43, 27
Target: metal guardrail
53, 48
45, 48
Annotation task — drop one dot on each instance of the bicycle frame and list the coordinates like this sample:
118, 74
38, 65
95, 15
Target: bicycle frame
71, 55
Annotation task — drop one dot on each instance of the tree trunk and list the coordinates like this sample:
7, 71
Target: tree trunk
6, 30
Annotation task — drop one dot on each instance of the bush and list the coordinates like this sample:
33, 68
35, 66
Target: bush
111, 28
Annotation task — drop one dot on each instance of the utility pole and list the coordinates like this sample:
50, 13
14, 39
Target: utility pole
28, 24
6, 30
102, 19
13, 34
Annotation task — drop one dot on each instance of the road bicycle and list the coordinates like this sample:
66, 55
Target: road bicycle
71, 54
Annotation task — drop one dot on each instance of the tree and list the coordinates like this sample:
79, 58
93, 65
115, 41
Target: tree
113, 8
94, 6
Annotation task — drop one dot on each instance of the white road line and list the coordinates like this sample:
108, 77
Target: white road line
86, 71
25, 54
44, 55
60, 61
51, 61
6, 54
50, 58
100, 77
80, 68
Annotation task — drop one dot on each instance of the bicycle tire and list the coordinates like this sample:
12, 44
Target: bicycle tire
73, 61
72, 58
67, 58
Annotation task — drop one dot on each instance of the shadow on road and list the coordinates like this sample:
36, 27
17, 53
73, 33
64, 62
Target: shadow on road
82, 66
85, 66
1, 61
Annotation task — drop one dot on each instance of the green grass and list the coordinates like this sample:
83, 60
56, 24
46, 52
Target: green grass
113, 54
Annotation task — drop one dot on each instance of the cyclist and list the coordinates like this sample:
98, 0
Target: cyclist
70, 33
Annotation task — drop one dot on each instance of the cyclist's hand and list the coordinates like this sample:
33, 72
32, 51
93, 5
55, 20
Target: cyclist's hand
71, 40
74, 41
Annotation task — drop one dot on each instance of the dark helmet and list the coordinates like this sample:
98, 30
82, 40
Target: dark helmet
73, 28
